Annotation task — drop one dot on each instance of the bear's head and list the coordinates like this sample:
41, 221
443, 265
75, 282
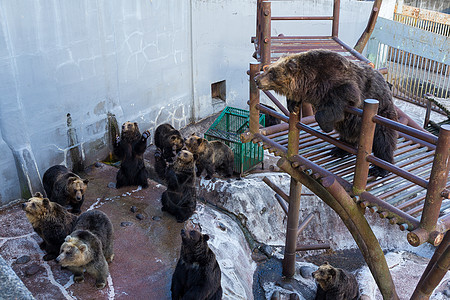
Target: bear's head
74, 251
325, 275
175, 140
76, 187
185, 161
130, 132
196, 144
194, 247
37, 208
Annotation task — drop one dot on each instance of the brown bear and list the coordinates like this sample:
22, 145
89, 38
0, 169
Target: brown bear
197, 274
335, 283
89, 247
65, 187
180, 198
212, 156
330, 82
51, 221
169, 142
129, 148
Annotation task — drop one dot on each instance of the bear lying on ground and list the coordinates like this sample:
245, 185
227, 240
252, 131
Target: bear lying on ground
89, 247
334, 283
180, 198
129, 148
169, 142
197, 274
330, 82
51, 221
65, 187
212, 156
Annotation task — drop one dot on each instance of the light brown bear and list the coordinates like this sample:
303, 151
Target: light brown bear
89, 248
335, 283
212, 156
51, 221
65, 187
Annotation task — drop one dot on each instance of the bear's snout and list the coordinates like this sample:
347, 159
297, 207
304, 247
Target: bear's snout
24, 205
58, 259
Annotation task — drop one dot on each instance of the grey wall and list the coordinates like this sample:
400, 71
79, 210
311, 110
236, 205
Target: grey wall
148, 61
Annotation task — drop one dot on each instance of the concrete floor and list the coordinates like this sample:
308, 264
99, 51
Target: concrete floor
153, 241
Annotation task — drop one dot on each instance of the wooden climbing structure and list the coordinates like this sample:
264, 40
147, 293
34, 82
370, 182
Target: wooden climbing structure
410, 198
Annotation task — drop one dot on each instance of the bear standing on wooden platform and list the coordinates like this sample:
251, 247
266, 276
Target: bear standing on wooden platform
180, 198
65, 187
334, 283
197, 274
89, 248
212, 156
330, 82
129, 148
50, 221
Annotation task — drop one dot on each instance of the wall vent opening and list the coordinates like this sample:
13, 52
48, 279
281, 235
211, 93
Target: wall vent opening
219, 90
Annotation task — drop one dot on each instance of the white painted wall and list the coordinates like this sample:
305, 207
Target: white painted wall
149, 61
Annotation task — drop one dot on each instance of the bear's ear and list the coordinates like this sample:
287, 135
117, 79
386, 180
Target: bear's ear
291, 65
67, 239
82, 247
193, 134
72, 179
326, 263
206, 237
38, 195
86, 181
135, 124
46, 202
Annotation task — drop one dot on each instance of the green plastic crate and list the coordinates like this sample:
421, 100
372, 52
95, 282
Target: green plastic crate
228, 128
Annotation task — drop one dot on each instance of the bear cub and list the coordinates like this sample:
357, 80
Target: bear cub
168, 142
212, 156
129, 148
180, 198
89, 248
50, 221
197, 274
330, 82
65, 187
335, 283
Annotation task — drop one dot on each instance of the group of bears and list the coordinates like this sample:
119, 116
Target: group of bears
325, 79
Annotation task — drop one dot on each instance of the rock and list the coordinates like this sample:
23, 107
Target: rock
98, 164
275, 296
221, 226
133, 209
446, 292
126, 223
140, 217
294, 296
31, 270
266, 249
112, 185
23, 259
306, 272
156, 218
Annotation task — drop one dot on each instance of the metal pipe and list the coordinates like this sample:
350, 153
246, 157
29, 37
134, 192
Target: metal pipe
437, 183
276, 189
305, 223
277, 103
313, 247
300, 18
335, 28
266, 33
282, 204
254, 98
435, 270
364, 146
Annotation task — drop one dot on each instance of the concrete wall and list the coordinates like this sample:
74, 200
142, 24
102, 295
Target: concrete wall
148, 61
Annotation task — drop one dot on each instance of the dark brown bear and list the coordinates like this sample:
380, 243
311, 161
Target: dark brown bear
197, 274
51, 221
65, 187
334, 283
89, 247
212, 156
129, 148
330, 82
180, 198
169, 142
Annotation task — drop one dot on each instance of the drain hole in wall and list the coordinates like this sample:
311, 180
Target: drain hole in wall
219, 90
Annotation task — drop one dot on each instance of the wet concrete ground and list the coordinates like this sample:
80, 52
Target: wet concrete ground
146, 250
